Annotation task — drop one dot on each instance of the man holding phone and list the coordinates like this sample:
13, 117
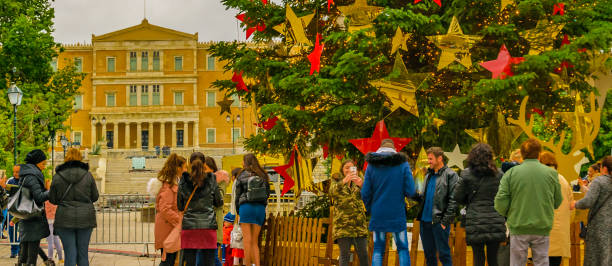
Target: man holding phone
388, 181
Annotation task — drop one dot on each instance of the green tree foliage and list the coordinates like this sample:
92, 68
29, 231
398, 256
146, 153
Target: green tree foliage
26, 54
339, 103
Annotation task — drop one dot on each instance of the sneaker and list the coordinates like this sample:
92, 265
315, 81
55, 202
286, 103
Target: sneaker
49, 263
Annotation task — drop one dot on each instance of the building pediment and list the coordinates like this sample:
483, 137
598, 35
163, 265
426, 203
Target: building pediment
145, 32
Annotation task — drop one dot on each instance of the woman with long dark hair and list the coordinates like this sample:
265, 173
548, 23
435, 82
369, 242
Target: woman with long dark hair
252, 192
476, 189
198, 195
350, 223
222, 180
165, 190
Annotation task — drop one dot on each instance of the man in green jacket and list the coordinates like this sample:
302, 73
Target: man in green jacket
528, 195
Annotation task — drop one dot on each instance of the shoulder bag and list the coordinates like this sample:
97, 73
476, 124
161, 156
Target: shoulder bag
22, 204
172, 243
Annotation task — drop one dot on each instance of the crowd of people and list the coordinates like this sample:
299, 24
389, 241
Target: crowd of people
525, 204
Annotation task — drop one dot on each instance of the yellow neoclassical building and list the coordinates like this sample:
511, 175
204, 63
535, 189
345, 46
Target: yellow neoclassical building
149, 86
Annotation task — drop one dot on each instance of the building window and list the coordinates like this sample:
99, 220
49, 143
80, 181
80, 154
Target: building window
211, 135
77, 137
54, 64
144, 61
156, 66
133, 95
144, 95
211, 63
133, 61
78, 102
156, 95
211, 98
78, 62
110, 64
236, 99
235, 134
178, 98
178, 63
110, 99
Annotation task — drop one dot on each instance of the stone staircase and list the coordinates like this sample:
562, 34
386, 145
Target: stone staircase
120, 180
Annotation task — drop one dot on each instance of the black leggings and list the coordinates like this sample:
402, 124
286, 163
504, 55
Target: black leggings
29, 251
361, 246
170, 259
189, 256
555, 261
479, 253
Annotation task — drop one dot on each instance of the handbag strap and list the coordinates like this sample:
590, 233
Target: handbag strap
189, 200
475, 191
70, 186
594, 211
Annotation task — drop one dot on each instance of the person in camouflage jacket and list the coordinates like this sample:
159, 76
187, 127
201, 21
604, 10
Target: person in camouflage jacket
350, 224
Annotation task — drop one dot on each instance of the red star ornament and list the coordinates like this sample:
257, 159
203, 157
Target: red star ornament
268, 124
439, 2
240, 85
265, 2
250, 30
502, 66
282, 171
564, 64
372, 144
559, 8
329, 3
315, 56
325, 151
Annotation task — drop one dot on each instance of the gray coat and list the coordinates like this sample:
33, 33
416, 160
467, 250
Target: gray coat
598, 250
76, 210
35, 228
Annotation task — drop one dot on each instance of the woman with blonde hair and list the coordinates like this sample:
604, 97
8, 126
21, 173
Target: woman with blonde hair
165, 188
74, 191
560, 233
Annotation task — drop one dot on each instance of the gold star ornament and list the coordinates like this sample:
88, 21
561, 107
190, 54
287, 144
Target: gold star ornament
455, 45
294, 29
399, 41
541, 37
360, 15
225, 105
400, 87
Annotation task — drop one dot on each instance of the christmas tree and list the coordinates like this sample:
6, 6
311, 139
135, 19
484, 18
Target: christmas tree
323, 72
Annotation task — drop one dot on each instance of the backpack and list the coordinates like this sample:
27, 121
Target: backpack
256, 189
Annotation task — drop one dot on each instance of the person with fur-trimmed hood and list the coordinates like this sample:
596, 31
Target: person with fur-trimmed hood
388, 181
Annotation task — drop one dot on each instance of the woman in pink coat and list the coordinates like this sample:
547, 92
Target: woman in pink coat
165, 187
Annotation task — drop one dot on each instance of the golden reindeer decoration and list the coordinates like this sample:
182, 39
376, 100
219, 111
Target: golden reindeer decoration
584, 126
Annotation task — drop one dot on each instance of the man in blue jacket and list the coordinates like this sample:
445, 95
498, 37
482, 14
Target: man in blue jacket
438, 209
388, 181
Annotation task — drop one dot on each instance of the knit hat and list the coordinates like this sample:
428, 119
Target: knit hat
229, 217
35, 157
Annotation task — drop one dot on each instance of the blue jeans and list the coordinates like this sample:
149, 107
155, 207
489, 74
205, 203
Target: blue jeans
13, 237
435, 240
76, 245
401, 241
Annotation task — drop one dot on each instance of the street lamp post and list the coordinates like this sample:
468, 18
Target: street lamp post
15, 94
229, 118
64, 142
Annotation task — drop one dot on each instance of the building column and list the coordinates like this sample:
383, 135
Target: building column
185, 134
127, 135
105, 145
173, 133
196, 134
162, 133
93, 135
139, 135
151, 144
115, 135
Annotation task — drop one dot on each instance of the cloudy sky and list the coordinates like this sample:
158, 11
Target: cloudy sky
76, 20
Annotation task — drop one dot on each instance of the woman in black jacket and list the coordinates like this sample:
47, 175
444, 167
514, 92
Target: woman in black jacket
476, 189
74, 191
251, 207
34, 229
199, 228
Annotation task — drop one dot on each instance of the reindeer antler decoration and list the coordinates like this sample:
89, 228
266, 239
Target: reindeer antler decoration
568, 162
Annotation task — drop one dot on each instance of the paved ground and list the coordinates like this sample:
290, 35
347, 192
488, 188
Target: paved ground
129, 256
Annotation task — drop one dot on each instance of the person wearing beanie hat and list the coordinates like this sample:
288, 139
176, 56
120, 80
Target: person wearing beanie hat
34, 229
229, 217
